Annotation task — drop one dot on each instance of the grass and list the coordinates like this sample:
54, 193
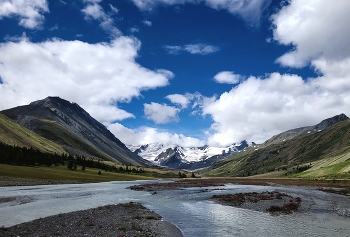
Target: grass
14, 134
328, 151
61, 173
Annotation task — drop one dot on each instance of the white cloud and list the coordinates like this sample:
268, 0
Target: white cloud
315, 28
146, 135
228, 77
92, 1
134, 30
55, 27
114, 9
259, 108
147, 23
336, 75
96, 76
29, 13
148, 5
249, 10
173, 49
93, 11
161, 113
178, 99
199, 48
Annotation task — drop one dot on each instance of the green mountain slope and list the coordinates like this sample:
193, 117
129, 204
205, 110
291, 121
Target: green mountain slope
12, 133
70, 126
323, 154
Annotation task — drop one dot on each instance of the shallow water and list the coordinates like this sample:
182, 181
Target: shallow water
189, 209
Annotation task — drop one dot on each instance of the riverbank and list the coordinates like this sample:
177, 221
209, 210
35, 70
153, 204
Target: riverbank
6, 181
130, 219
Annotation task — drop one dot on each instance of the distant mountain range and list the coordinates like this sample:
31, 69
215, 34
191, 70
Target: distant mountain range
71, 127
178, 157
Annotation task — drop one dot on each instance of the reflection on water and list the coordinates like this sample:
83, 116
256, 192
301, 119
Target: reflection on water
190, 209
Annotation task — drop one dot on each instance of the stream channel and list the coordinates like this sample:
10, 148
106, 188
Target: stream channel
189, 209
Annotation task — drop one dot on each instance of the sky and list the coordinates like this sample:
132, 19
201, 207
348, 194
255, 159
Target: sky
189, 72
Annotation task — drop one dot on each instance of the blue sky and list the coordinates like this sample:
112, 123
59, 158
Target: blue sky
192, 72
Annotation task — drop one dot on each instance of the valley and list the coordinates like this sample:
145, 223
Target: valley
56, 126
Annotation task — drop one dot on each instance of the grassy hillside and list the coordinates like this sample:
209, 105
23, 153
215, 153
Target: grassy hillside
325, 154
62, 174
12, 133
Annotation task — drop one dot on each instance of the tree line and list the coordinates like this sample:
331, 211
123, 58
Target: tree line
15, 155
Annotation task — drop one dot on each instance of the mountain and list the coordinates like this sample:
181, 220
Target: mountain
71, 127
14, 134
175, 156
305, 130
320, 151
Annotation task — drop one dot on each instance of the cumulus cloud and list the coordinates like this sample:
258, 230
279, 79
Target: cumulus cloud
249, 10
161, 113
178, 99
259, 108
316, 29
194, 102
228, 77
199, 48
96, 76
147, 135
29, 13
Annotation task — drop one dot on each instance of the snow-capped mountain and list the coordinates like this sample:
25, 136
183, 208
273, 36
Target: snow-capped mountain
175, 156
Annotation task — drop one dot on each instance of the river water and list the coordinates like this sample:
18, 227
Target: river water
189, 209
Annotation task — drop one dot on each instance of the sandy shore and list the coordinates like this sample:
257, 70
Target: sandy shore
130, 219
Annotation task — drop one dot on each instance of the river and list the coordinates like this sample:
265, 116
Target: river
189, 209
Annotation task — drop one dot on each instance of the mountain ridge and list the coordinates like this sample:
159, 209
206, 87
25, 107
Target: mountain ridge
71, 126
324, 153
289, 134
175, 156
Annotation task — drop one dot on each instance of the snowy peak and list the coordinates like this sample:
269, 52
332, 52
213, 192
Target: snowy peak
172, 155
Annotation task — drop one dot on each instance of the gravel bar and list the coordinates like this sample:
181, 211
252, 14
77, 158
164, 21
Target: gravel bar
129, 219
